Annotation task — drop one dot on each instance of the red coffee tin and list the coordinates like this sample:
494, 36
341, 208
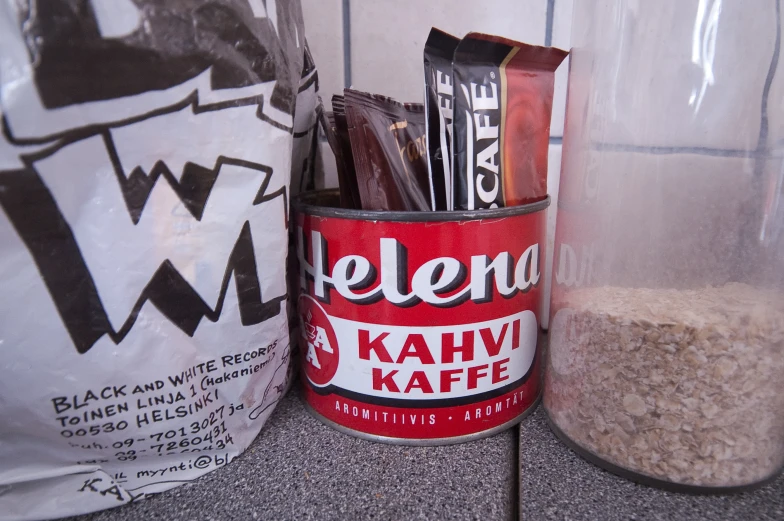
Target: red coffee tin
419, 328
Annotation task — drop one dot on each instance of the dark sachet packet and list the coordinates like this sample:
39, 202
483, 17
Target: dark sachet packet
390, 154
502, 107
439, 49
341, 131
327, 120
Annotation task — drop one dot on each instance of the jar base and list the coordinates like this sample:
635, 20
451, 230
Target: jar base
650, 481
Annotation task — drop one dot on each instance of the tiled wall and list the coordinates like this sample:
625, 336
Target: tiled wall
376, 45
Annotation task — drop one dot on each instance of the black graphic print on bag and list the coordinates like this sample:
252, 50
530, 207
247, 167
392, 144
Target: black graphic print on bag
145, 169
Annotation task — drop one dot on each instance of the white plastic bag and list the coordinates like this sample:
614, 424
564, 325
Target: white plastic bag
145, 161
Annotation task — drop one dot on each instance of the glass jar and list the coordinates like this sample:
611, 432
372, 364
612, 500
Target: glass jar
666, 355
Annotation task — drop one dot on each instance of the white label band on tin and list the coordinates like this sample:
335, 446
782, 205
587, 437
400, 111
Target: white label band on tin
437, 362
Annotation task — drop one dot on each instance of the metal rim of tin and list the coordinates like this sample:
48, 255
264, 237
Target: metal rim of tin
650, 481
416, 442
307, 204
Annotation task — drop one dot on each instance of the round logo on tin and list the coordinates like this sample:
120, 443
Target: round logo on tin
319, 342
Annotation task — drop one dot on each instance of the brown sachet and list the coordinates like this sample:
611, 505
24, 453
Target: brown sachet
347, 157
390, 151
327, 120
503, 98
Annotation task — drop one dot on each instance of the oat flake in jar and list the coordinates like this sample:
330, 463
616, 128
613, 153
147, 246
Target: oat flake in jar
666, 348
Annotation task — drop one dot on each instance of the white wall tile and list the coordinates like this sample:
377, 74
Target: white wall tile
324, 32
559, 98
776, 102
330, 169
553, 177
665, 84
776, 110
562, 23
562, 27
388, 37
666, 220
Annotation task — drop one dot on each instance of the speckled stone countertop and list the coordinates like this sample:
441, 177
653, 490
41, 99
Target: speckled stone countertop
300, 469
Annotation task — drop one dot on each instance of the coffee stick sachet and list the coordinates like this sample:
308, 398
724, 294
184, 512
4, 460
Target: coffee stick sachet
344, 142
327, 120
503, 98
439, 49
390, 154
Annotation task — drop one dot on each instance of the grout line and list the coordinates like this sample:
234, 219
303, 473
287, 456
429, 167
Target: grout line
761, 152
774, 62
753, 219
347, 43
517, 500
703, 151
548, 28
